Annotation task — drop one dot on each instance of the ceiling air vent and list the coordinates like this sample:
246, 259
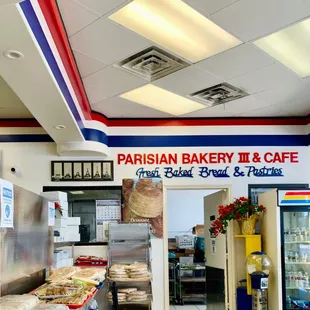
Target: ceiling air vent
218, 94
152, 64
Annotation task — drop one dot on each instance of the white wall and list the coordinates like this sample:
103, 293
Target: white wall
34, 161
185, 210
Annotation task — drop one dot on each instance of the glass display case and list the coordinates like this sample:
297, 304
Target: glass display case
296, 257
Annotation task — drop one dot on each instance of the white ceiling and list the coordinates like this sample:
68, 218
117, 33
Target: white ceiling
10, 105
98, 43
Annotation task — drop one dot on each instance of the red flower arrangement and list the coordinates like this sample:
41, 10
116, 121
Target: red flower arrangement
59, 208
240, 209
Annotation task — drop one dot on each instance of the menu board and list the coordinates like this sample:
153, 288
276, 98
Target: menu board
106, 211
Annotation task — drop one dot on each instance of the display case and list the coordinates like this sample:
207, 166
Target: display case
129, 243
296, 252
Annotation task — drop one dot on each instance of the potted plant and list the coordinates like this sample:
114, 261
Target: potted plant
241, 210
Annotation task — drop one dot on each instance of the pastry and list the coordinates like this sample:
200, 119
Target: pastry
136, 265
146, 200
137, 293
62, 273
127, 290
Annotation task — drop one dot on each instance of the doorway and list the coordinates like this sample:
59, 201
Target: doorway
196, 262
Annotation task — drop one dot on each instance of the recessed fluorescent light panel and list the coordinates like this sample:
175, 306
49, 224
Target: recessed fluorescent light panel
177, 27
162, 100
290, 46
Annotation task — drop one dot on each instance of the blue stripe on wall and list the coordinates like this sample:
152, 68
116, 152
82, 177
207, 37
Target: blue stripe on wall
41, 39
173, 141
25, 138
208, 141
95, 135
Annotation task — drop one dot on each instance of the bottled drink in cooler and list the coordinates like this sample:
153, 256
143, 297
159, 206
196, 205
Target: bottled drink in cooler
288, 302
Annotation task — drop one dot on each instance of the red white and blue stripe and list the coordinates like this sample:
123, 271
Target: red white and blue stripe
44, 21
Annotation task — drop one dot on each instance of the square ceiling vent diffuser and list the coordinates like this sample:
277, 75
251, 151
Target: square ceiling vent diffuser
152, 64
218, 94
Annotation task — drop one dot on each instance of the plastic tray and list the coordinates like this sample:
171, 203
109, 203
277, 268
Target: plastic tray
91, 264
85, 302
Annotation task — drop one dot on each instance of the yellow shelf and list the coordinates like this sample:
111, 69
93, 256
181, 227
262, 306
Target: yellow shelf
253, 243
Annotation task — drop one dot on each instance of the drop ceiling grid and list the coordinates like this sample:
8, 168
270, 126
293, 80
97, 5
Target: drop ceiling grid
102, 43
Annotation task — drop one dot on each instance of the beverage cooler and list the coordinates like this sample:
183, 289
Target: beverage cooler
295, 248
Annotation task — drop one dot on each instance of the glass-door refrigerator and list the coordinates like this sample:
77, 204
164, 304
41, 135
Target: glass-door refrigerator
295, 245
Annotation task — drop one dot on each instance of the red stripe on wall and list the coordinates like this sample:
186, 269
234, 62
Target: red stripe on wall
52, 16
297, 194
202, 122
19, 123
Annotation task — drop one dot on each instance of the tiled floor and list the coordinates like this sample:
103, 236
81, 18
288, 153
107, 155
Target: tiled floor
188, 307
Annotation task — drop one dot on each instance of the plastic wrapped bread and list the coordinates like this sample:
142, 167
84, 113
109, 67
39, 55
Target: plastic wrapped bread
18, 302
50, 307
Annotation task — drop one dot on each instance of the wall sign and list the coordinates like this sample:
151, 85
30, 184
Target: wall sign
7, 204
82, 171
209, 165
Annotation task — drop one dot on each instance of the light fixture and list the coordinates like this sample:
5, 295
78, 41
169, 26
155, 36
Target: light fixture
59, 127
160, 99
290, 46
177, 27
77, 192
12, 54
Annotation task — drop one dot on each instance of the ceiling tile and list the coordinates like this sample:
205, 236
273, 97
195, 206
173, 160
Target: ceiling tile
108, 42
288, 93
75, 16
232, 108
217, 111
110, 82
119, 107
246, 58
188, 80
101, 7
87, 65
250, 19
248, 103
271, 111
293, 97
264, 78
208, 7
14, 112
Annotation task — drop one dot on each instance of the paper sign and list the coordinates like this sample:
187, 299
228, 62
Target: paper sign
51, 214
213, 246
7, 204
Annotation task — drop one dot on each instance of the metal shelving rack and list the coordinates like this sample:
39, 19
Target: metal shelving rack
173, 284
129, 243
192, 280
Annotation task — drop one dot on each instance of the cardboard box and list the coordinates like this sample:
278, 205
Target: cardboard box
190, 251
74, 221
61, 223
55, 196
199, 230
73, 237
71, 230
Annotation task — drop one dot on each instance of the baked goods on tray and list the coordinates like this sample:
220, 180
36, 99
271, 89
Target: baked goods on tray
92, 276
129, 273
128, 295
62, 274
77, 299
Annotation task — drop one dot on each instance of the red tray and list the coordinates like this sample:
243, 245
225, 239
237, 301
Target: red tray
91, 264
78, 306
85, 302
